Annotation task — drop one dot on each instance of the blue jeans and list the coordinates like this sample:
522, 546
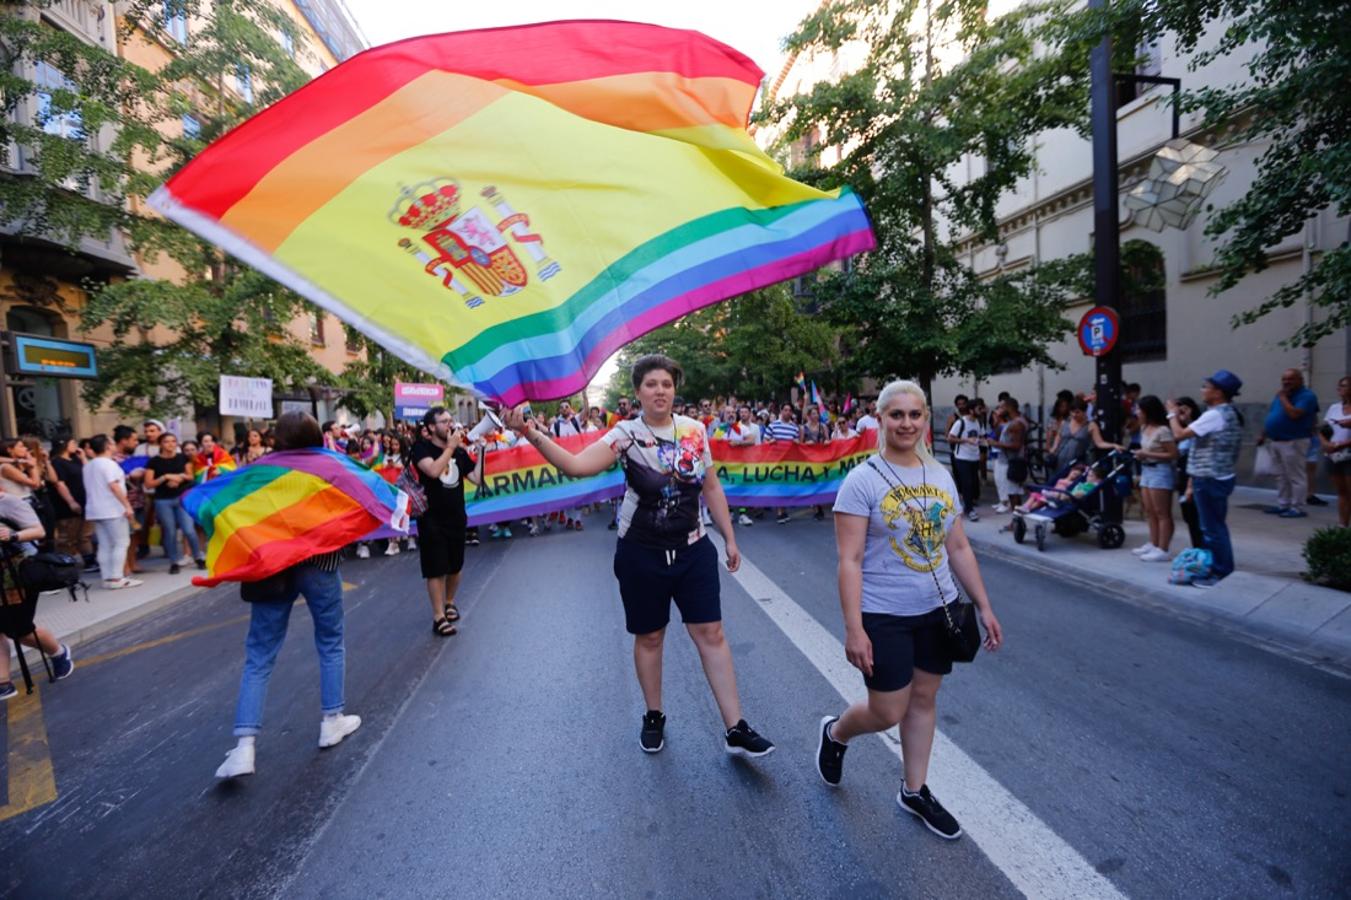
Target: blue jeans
1212, 505
267, 629
171, 517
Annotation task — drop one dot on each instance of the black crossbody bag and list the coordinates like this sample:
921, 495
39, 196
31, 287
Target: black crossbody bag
960, 625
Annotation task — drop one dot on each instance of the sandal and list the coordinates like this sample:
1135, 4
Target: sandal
442, 628
452, 614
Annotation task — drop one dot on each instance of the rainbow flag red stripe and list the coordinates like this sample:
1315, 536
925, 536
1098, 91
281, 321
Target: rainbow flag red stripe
535, 197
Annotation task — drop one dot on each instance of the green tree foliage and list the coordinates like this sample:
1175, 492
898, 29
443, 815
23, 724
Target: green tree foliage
223, 317
908, 126
1295, 100
750, 347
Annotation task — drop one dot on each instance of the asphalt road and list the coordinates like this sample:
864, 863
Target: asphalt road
1107, 749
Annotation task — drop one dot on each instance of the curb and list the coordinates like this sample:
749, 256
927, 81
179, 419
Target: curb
112, 623
1331, 656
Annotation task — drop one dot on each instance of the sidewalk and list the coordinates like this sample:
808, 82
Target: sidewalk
1265, 599
79, 622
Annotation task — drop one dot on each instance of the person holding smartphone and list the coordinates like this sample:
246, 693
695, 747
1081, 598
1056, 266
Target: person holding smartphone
442, 465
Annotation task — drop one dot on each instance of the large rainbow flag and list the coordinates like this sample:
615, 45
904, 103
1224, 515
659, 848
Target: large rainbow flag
506, 208
287, 507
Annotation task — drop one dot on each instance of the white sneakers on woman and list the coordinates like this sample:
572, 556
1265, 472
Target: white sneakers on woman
1156, 555
1144, 548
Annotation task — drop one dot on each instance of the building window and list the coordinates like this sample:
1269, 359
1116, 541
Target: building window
244, 82
353, 341
1144, 306
63, 123
191, 127
316, 329
176, 20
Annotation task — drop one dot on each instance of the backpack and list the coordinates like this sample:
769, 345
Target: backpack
410, 484
1190, 565
53, 572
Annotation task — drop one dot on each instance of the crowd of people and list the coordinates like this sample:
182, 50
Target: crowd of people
905, 562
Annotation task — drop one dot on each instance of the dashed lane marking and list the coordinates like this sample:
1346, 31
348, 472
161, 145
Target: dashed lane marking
1033, 857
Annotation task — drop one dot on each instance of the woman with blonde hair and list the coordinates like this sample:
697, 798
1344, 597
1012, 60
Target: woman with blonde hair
898, 529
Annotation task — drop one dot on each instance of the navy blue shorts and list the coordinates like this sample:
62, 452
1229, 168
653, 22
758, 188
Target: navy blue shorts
650, 579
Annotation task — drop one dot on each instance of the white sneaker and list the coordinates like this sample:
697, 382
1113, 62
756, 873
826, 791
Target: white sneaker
122, 583
745, 520
412, 544
334, 728
363, 552
392, 549
1001, 508
973, 516
238, 761
1156, 555
1144, 548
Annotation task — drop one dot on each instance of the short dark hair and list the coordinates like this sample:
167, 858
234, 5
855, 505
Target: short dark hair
1011, 402
165, 436
1078, 405
296, 429
122, 432
429, 417
651, 363
328, 426
1133, 387
203, 435
99, 443
959, 398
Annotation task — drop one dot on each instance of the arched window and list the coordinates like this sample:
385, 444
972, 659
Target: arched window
1144, 303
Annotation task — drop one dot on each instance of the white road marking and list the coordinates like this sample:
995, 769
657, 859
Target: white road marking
1032, 856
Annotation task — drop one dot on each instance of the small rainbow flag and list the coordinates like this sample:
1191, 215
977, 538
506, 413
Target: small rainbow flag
287, 507
535, 197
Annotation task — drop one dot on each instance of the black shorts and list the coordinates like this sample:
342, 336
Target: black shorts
1340, 468
440, 546
650, 579
902, 644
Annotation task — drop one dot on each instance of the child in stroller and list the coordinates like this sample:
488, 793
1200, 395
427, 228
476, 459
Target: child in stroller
1079, 481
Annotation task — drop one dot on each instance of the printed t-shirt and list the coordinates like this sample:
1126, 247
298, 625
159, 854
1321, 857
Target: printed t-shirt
910, 512
664, 472
444, 501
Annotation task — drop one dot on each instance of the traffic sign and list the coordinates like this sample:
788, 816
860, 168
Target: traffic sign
1099, 330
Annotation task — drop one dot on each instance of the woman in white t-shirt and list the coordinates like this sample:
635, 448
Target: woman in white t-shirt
900, 543
663, 552
1336, 441
107, 506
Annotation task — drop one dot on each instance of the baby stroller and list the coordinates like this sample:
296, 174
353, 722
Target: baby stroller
1081, 512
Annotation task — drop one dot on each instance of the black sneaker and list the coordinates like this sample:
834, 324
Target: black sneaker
62, 664
613, 526
7, 690
830, 754
927, 809
1315, 500
783, 519
174, 569
652, 738
742, 740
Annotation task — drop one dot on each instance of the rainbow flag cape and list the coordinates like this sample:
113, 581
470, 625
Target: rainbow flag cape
219, 463
535, 197
287, 507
